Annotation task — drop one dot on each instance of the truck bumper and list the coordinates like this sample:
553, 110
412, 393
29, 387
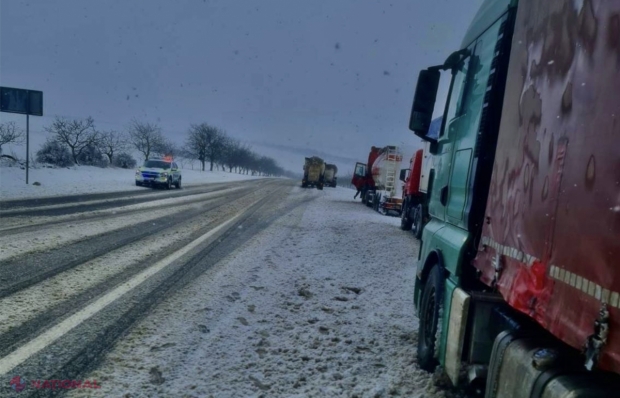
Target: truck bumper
392, 204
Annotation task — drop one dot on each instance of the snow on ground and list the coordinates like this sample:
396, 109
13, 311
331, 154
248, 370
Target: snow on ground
318, 304
89, 179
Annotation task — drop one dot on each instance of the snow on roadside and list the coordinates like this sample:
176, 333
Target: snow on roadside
318, 304
89, 179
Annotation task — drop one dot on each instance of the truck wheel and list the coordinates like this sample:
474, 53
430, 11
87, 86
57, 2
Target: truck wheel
405, 222
418, 223
429, 328
320, 186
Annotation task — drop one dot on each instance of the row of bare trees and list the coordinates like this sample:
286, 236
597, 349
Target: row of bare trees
205, 143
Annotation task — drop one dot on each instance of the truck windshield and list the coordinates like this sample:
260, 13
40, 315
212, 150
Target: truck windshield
157, 164
457, 91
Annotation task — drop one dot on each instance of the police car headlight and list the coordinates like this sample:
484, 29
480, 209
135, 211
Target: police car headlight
163, 175
137, 172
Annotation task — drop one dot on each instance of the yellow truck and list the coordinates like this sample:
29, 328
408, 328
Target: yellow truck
314, 173
330, 175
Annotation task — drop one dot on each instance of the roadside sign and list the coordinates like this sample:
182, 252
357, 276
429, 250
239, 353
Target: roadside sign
26, 102
19, 100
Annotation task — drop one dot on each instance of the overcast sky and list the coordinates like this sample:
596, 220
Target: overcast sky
290, 77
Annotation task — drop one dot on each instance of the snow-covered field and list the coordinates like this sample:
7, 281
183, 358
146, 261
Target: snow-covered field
89, 179
318, 304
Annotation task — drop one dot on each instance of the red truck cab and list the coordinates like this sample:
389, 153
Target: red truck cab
362, 178
414, 211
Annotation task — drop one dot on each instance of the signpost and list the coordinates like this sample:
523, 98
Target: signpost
27, 102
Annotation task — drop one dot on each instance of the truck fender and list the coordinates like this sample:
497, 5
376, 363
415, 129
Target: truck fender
433, 258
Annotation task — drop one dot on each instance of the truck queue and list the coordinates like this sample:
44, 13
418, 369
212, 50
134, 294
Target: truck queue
515, 198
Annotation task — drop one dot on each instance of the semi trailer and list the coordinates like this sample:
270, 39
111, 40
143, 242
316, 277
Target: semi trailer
377, 179
518, 280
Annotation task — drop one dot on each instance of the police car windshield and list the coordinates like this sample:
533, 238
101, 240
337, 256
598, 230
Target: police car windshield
159, 164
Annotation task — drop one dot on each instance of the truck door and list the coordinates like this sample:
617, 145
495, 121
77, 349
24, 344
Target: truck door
359, 175
465, 120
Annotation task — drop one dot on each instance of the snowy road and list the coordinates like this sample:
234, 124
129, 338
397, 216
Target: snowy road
255, 288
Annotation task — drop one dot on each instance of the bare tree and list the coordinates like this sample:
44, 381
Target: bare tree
146, 138
111, 142
217, 142
10, 134
77, 134
205, 143
197, 144
233, 154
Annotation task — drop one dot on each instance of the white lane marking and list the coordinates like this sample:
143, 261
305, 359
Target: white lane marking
35, 345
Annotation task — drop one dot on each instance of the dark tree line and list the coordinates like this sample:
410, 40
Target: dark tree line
209, 144
78, 141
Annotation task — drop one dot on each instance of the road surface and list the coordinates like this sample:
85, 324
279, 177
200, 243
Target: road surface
231, 289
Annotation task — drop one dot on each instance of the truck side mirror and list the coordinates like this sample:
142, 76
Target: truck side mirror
424, 103
403, 175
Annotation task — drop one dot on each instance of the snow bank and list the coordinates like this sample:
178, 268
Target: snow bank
318, 304
89, 179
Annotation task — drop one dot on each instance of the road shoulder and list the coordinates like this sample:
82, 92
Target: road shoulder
315, 304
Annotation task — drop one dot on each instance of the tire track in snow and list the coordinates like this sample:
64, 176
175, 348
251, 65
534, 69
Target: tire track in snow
87, 197
108, 213
71, 354
28, 269
89, 206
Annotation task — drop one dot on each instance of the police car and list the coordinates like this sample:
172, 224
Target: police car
160, 172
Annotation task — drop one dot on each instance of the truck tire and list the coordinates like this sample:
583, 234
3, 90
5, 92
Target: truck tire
429, 328
320, 186
405, 222
418, 222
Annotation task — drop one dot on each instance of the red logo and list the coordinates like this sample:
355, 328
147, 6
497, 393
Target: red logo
17, 383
